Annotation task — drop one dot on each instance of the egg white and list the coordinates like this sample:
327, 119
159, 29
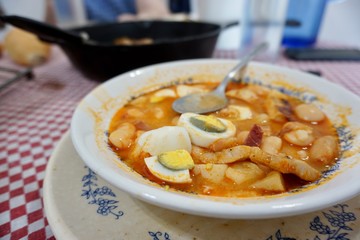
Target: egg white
164, 139
203, 138
166, 174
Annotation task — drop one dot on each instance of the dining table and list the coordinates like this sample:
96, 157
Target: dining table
35, 116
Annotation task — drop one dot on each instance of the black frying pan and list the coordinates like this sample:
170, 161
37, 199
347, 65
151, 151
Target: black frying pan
92, 50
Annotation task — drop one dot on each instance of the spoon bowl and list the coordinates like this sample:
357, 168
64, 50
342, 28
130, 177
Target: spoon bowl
200, 103
214, 100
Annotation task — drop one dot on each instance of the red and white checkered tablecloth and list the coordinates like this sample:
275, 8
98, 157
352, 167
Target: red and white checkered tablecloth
35, 114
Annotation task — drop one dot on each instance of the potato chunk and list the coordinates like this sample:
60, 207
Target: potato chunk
324, 150
183, 90
123, 136
162, 94
244, 173
244, 94
273, 182
212, 172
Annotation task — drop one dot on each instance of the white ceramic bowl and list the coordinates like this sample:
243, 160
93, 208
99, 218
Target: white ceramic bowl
92, 116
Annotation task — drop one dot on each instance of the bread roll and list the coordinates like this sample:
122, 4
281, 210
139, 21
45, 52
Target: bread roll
25, 48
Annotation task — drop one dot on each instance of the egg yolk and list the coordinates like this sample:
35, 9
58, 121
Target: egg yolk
208, 123
176, 160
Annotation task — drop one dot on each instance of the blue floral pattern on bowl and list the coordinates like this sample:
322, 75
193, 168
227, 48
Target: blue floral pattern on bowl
100, 196
159, 235
337, 229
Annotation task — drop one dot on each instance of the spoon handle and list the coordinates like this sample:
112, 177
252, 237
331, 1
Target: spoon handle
244, 60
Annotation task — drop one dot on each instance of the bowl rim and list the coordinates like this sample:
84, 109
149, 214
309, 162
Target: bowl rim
242, 208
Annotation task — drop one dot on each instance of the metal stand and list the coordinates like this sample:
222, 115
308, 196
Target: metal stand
15, 75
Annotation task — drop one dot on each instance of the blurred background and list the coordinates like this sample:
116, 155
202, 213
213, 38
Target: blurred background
338, 24
337, 20
341, 23
284, 24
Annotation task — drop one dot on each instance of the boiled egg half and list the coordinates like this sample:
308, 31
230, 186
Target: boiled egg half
206, 129
171, 166
170, 149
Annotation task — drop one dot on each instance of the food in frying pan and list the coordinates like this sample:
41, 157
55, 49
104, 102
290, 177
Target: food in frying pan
263, 143
133, 41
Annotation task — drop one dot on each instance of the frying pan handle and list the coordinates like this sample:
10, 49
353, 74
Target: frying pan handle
45, 32
288, 23
230, 24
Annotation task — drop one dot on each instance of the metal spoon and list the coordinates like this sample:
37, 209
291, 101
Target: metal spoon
214, 100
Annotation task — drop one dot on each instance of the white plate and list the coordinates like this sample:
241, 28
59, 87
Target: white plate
91, 120
72, 216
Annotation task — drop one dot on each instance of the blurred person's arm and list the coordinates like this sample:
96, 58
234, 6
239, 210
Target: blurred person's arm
148, 9
50, 12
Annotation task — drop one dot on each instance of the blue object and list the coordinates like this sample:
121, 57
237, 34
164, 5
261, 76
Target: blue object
109, 10
309, 13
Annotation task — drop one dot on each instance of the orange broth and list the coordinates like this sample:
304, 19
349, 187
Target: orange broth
200, 185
